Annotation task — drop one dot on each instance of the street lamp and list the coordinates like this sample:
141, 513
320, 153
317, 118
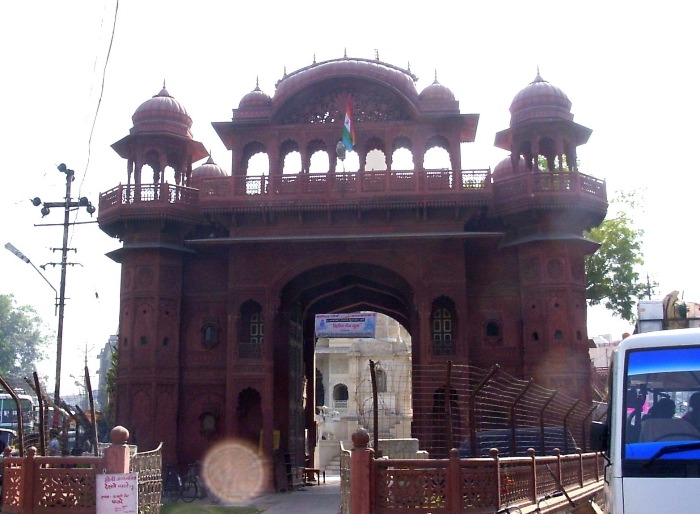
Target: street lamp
19, 254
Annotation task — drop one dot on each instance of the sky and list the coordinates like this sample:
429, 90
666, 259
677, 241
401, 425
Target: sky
75, 71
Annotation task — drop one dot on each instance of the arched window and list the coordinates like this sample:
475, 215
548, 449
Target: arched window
492, 329
252, 331
210, 334
443, 327
340, 396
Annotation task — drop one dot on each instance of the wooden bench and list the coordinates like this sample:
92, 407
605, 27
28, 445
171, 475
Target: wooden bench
310, 472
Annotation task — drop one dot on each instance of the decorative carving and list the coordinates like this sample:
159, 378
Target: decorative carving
531, 269
578, 270
126, 278
555, 269
144, 277
169, 279
369, 104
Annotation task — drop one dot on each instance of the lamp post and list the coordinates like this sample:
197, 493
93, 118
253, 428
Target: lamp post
68, 204
11, 247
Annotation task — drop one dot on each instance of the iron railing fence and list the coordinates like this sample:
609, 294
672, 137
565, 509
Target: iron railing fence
487, 408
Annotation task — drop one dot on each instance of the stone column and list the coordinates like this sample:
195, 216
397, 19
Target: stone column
360, 471
117, 458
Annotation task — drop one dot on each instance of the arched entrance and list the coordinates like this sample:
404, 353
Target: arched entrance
325, 289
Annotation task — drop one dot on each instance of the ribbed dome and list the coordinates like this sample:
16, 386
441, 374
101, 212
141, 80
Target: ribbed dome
209, 170
162, 114
436, 92
540, 99
504, 169
400, 80
255, 100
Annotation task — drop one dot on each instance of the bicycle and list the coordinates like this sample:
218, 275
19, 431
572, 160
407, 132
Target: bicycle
191, 487
172, 485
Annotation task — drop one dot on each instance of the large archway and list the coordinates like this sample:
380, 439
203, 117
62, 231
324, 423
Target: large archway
336, 288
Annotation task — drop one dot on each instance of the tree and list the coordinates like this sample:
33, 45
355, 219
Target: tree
611, 272
22, 338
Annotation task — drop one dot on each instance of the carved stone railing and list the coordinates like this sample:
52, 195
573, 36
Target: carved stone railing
454, 485
35, 483
240, 192
545, 189
357, 184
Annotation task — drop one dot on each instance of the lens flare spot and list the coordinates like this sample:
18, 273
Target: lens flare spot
233, 471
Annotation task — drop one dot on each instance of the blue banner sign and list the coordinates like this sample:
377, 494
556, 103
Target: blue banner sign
357, 324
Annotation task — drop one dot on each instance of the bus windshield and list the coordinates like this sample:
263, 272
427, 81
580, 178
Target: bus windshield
8, 412
661, 429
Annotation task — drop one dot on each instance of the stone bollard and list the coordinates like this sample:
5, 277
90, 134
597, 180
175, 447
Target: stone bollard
360, 472
117, 458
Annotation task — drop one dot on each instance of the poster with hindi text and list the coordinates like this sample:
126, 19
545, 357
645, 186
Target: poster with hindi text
117, 493
357, 324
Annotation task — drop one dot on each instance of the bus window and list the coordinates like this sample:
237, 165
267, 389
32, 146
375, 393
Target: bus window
658, 383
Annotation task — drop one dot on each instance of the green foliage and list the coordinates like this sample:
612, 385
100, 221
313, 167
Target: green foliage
22, 338
611, 272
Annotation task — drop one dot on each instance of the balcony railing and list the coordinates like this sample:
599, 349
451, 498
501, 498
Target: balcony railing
307, 185
544, 189
312, 189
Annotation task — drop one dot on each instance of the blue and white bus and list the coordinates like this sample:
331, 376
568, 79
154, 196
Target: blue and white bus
652, 434
8, 412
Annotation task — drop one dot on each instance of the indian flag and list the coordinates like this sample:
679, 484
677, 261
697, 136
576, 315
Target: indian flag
348, 129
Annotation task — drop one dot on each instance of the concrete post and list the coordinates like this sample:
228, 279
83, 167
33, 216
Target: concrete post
360, 473
117, 458
28, 472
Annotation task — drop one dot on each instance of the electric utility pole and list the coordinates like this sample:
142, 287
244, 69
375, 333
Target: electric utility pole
67, 206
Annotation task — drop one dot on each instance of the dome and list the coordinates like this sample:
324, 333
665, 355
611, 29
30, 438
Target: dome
256, 99
436, 92
162, 114
540, 99
400, 80
209, 170
504, 169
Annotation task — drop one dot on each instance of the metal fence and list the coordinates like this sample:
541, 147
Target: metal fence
474, 410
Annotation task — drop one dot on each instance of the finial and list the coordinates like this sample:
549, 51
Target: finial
436, 80
345, 52
409, 66
538, 78
314, 57
257, 83
163, 83
284, 74
376, 54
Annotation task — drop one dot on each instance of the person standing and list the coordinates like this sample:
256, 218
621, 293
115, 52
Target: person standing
54, 449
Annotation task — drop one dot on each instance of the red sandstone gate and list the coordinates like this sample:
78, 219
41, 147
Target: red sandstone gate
223, 273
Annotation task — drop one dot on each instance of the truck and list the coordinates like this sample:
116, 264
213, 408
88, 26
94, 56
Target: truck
669, 313
650, 437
